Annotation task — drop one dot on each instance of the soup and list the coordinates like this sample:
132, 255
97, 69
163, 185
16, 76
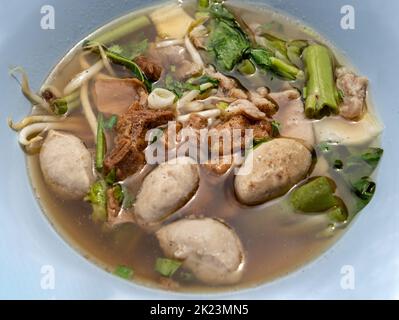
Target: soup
220, 151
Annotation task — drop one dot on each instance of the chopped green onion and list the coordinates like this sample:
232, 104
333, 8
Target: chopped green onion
111, 122
203, 4
364, 188
97, 196
100, 143
324, 146
118, 193
111, 177
124, 272
338, 164
157, 135
275, 128
258, 141
167, 267
222, 105
61, 106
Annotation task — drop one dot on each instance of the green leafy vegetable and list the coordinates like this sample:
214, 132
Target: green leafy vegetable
121, 60
100, 143
124, 272
139, 48
97, 196
227, 42
372, 156
265, 60
314, 196
116, 48
218, 10
167, 267
179, 88
132, 50
321, 91
276, 45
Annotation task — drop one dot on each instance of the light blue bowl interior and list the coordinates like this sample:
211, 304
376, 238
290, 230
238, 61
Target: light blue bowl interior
28, 242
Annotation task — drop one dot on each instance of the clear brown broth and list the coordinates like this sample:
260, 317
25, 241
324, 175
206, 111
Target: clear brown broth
276, 240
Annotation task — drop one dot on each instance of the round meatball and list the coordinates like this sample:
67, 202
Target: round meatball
209, 248
271, 169
165, 190
66, 165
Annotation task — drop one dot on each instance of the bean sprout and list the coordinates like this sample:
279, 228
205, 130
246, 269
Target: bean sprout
87, 110
209, 114
32, 119
188, 97
106, 61
195, 56
34, 98
83, 77
169, 42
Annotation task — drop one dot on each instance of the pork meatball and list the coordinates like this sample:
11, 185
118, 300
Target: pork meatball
271, 170
209, 248
165, 190
66, 165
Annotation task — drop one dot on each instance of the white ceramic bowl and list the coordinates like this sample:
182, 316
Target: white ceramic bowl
29, 246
